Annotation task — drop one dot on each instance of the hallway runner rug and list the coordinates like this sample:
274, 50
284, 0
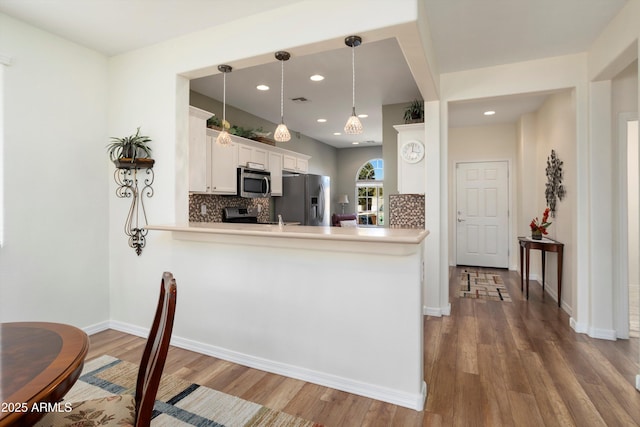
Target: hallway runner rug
486, 285
178, 402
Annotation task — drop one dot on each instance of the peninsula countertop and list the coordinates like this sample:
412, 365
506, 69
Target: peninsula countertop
295, 235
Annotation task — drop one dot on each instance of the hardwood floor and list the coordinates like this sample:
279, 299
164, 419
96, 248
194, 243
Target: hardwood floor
488, 364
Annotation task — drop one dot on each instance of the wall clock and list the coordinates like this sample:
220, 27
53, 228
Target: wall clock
412, 151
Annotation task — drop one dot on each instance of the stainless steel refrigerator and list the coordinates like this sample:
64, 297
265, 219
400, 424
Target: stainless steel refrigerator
305, 199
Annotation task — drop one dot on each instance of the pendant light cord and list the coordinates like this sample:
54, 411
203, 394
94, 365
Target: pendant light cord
353, 76
224, 99
282, 92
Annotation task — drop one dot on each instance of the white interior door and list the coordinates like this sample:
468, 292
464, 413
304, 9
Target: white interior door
482, 214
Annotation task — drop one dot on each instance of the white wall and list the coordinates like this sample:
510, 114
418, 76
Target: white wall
53, 265
216, 282
633, 205
481, 144
149, 88
556, 130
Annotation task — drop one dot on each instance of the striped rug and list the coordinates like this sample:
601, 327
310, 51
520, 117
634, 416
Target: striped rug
178, 402
485, 285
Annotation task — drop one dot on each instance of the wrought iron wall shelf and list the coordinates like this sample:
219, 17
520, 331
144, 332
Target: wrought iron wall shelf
126, 177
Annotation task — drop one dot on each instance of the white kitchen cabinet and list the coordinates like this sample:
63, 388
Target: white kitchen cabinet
212, 167
411, 158
293, 163
199, 150
302, 164
224, 159
275, 167
247, 153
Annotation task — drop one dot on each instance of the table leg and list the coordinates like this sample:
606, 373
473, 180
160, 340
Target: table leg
544, 264
528, 252
560, 275
521, 269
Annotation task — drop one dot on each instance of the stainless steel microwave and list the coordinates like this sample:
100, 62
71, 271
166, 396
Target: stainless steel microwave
254, 183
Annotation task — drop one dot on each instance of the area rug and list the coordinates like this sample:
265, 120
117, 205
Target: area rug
178, 402
486, 285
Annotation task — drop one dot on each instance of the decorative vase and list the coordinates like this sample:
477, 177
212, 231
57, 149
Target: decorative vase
536, 235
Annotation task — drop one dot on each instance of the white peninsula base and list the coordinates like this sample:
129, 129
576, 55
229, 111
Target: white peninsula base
343, 312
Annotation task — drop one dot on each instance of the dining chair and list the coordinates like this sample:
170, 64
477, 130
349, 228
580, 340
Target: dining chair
126, 410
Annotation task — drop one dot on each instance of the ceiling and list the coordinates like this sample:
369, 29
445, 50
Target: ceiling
466, 34
382, 78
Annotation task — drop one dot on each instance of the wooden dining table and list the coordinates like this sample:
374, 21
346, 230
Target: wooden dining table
39, 362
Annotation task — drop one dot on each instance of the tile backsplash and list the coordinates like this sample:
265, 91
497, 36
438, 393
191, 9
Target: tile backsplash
215, 203
406, 211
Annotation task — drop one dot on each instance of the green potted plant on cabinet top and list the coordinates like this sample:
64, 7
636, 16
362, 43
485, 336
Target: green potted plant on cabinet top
414, 113
131, 151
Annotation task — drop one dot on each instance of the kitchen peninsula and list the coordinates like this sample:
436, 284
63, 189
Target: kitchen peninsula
339, 307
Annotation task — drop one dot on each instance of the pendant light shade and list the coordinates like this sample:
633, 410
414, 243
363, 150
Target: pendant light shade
282, 133
353, 126
224, 138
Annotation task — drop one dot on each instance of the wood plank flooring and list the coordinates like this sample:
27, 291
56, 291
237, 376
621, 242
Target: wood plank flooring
488, 364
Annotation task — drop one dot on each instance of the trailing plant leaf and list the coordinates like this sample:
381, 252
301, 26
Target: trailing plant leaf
132, 146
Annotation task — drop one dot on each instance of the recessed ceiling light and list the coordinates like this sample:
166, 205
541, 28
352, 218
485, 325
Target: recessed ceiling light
316, 78
321, 120
337, 133
355, 143
262, 87
363, 116
489, 113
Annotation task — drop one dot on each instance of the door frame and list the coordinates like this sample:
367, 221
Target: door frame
511, 250
621, 273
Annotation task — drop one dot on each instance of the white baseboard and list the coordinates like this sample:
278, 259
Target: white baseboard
98, 327
603, 334
437, 311
130, 329
582, 328
396, 397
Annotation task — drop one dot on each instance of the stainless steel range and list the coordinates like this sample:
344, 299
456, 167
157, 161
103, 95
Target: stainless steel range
240, 215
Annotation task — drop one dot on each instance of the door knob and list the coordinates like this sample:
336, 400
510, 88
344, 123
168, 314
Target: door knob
460, 220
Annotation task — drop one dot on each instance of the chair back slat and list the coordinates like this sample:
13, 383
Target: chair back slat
155, 351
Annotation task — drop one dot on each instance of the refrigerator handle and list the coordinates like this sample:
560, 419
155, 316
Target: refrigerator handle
321, 204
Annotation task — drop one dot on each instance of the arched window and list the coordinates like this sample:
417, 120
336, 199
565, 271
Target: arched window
370, 195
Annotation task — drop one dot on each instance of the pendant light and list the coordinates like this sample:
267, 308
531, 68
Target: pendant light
282, 133
223, 137
353, 126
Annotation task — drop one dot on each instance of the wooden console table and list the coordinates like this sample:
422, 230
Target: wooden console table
545, 245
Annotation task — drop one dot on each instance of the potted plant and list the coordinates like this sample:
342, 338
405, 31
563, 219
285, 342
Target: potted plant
130, 151
538, 228
414, 112
214, 122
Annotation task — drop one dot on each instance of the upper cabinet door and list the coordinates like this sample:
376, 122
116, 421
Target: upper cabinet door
295, 164
275, 167
199, 151
224, 160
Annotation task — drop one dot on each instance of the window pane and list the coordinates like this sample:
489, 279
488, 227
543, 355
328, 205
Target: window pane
370, 193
